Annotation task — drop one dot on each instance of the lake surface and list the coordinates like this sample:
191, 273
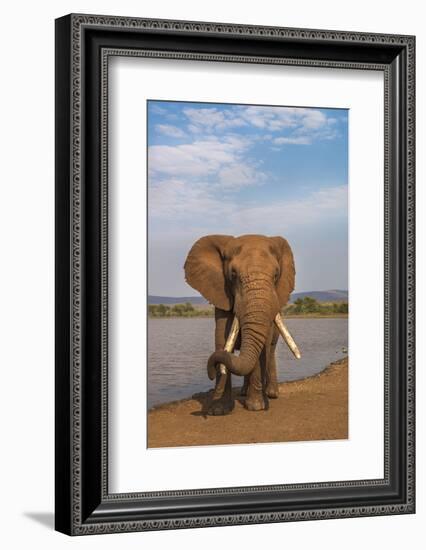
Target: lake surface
178, 350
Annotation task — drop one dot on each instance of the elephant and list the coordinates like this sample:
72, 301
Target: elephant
248, 279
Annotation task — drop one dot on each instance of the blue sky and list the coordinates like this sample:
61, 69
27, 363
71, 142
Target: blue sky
238, 169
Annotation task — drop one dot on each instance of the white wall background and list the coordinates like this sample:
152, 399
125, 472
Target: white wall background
27, 244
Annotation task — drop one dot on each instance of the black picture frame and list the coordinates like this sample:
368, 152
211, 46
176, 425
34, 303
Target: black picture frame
83, 504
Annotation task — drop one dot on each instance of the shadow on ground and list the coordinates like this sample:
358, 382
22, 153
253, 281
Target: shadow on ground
205, 399
47, 519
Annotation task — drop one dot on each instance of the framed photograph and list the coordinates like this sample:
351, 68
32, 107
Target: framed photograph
234, 274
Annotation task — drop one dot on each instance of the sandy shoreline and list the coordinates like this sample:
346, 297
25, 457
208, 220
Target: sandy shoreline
315, 408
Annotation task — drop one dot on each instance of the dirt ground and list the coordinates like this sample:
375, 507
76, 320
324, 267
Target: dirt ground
315, 408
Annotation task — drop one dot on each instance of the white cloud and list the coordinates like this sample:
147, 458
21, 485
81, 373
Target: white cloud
197, 159
271, 118
314, 208
313, 119
281, 118
157, 109
170, 131
201, 209
212, 119
301, 140
292, 123
175, 200
239, 175
207, 157
195, 129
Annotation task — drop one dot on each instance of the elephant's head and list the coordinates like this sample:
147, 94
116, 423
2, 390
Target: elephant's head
251, 275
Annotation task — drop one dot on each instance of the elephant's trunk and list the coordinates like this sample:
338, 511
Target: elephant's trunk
256, 312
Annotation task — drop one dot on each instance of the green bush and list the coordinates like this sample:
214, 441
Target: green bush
308, 305
178, 310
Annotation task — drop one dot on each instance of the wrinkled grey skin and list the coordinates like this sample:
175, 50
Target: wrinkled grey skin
250, 277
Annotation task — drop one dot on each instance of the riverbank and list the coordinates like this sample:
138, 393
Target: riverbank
290, 316
306, 308
315, 408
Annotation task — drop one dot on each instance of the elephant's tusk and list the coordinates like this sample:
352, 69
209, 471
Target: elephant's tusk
230, 342
288, 339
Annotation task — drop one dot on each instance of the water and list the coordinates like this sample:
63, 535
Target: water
178, 350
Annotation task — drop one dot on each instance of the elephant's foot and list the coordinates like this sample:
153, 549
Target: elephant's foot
255, 403
272, 390
222, 406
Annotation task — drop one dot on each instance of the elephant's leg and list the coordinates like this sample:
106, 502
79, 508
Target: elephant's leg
244, 387
255, 399
222, 399
223, 321
272, 389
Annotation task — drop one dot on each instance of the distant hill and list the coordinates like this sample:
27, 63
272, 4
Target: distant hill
171, 300
320, 295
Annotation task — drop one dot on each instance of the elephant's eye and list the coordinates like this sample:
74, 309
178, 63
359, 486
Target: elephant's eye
277, 274
233, 274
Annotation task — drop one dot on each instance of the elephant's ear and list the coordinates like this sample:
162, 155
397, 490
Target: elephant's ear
204, 270
285, 283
